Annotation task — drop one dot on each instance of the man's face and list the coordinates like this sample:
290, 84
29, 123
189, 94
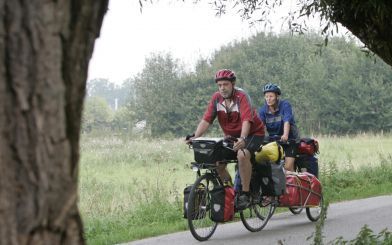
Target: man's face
271, 98
225, 88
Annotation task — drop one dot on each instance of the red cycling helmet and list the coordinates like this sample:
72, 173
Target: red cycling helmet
225, 74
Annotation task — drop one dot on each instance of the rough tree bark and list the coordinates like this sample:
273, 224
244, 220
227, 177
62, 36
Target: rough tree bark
45, 47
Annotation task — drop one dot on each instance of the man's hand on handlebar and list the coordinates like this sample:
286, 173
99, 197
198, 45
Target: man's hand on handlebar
239, 144
188, 139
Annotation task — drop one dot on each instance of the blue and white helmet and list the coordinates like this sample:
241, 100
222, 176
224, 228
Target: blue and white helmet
270, 87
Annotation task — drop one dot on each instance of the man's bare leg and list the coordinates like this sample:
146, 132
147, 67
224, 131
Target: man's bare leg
245, 168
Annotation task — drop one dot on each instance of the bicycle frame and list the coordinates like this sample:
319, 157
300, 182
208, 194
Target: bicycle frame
209, 168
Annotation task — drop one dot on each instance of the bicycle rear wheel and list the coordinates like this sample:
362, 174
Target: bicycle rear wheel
256, 217
314, 213
199, 211
295, 210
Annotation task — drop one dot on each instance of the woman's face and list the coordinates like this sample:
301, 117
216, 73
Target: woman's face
271, 98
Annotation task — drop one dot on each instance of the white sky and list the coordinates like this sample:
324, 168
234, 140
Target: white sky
186, 30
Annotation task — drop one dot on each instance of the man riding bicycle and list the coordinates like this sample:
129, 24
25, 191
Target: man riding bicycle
237, 119
278, 117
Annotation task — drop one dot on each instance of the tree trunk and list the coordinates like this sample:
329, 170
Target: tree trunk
45, 47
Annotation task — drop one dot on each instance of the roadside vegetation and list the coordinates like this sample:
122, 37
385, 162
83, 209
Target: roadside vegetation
131, 184
131, 188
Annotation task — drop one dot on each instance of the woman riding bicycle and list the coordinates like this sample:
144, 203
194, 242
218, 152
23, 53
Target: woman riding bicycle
278, 117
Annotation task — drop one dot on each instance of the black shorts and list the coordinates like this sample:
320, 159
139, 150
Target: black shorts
253, 142
290, 150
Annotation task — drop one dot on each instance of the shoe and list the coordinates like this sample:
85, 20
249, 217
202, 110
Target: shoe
242, 201
267, 200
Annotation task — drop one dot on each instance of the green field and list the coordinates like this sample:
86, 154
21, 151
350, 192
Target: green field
131, 189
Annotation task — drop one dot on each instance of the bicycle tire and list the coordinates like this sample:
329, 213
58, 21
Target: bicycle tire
198, 212
256, 217
295, 211
314, 213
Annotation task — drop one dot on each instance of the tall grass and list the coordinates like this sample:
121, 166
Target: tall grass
130, 189
126, 186
354, 152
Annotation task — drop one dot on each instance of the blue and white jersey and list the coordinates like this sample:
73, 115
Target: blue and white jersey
275, 121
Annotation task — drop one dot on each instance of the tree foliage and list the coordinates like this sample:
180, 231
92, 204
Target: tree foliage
338, 91
109, 91
370, 21
97, 113
157, 90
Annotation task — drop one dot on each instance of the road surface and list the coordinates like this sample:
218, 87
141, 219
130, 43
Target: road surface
343, 219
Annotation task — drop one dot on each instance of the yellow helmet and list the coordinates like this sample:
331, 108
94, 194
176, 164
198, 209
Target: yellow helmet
272, 152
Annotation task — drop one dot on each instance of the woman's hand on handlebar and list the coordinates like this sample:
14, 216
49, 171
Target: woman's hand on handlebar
284, 138
279, 139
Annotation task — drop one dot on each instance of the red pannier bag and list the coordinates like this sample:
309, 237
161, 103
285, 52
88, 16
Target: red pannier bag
301, 190
222, 204
308, 146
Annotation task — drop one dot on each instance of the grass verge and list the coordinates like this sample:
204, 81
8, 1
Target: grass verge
131, 190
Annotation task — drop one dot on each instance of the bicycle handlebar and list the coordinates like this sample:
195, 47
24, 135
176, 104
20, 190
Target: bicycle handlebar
228, 139
278, 140
189, 136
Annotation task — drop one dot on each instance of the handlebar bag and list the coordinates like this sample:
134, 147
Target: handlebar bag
211, 150
207, 150
222, 204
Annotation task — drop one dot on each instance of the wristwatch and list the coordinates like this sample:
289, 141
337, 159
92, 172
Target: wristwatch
243, 138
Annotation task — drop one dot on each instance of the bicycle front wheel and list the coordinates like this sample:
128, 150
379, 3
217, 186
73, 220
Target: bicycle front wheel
256, 217
199, 211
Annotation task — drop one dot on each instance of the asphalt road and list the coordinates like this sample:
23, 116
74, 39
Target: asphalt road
343, 219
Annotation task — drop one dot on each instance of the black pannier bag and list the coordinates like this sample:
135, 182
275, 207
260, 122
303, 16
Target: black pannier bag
187, 191
271, 178
201, 199
211, 150
313, 166
222, 204
310, 163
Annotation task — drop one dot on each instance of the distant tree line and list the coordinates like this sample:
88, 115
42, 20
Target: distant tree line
105, 106
334, 90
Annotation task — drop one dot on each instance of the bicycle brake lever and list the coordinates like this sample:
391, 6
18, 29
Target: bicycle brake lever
189, 136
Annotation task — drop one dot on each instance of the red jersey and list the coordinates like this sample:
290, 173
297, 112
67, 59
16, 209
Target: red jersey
231, 118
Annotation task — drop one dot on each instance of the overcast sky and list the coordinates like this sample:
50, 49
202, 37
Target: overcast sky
186, 30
